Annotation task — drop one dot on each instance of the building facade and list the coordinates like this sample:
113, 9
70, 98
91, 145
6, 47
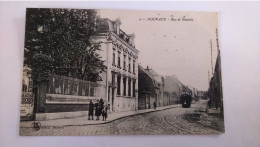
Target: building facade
151, 89
120, 56
174, 87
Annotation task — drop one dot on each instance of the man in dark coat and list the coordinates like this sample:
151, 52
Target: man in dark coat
97, 110
101, 103
90, 110
154, 105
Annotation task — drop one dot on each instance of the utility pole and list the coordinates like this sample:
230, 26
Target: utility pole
208, 77
217, 38
211, 56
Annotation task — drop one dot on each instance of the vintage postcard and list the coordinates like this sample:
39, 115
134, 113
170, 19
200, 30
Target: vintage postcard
121, 72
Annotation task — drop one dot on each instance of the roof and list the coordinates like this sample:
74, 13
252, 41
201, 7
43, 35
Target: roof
159, 79
145, 71
105, 25
153, 75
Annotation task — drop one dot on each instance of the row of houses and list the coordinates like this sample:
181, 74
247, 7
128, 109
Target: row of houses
164, 91
125, 85
215, 93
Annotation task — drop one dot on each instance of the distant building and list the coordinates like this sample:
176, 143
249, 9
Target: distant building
151, 88
166, 98
201, 95
193, 91
174, 87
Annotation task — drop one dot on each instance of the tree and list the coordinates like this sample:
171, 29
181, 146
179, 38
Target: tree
57, 41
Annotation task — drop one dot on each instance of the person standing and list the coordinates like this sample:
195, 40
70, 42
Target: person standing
154, 105
104, 113
97, 110
101, 103
90, 110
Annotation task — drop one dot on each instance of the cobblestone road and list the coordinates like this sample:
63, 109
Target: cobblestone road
171, 121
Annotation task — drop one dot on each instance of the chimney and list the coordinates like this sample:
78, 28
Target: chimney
131, 39
147, 69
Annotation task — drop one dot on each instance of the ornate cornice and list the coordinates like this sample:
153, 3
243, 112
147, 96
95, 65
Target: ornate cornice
133, 49
123, 46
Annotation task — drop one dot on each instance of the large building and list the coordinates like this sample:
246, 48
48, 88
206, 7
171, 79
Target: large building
120, 56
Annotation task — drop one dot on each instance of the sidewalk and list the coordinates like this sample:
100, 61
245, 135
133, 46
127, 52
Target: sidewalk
81, 121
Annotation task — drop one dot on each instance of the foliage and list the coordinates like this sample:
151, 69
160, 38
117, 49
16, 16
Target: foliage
44, 66
57, 41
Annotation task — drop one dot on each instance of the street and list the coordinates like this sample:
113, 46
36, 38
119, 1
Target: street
176, 120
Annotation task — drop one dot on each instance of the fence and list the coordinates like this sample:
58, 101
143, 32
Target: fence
67, 90
70, 86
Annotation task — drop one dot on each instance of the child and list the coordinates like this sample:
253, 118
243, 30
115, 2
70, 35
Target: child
104, 113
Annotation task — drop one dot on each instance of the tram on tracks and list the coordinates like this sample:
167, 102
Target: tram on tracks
186, 100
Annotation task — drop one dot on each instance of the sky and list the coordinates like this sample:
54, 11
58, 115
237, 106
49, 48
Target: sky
173, 46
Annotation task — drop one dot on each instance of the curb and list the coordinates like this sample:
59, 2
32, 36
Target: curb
109, 121
120, 117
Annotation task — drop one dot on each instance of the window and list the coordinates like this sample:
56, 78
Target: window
58, 84
124, 82
118, 60
124, 62
118, 85
80, 88
92, 90
83, 92
114, 59
129, 65
66, 86
134, 88
113, 79
74, 88
134, 66
129, 87
87, 87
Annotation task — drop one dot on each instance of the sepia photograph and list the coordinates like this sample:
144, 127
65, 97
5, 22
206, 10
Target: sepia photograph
121, 72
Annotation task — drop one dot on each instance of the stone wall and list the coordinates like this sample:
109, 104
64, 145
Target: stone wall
51, 108
125, 104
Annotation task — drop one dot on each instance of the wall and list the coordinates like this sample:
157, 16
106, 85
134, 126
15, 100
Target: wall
125, 104
66, 94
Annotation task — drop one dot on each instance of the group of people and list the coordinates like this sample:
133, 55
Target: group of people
100, 109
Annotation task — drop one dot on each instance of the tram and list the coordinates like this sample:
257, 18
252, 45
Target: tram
186, 100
